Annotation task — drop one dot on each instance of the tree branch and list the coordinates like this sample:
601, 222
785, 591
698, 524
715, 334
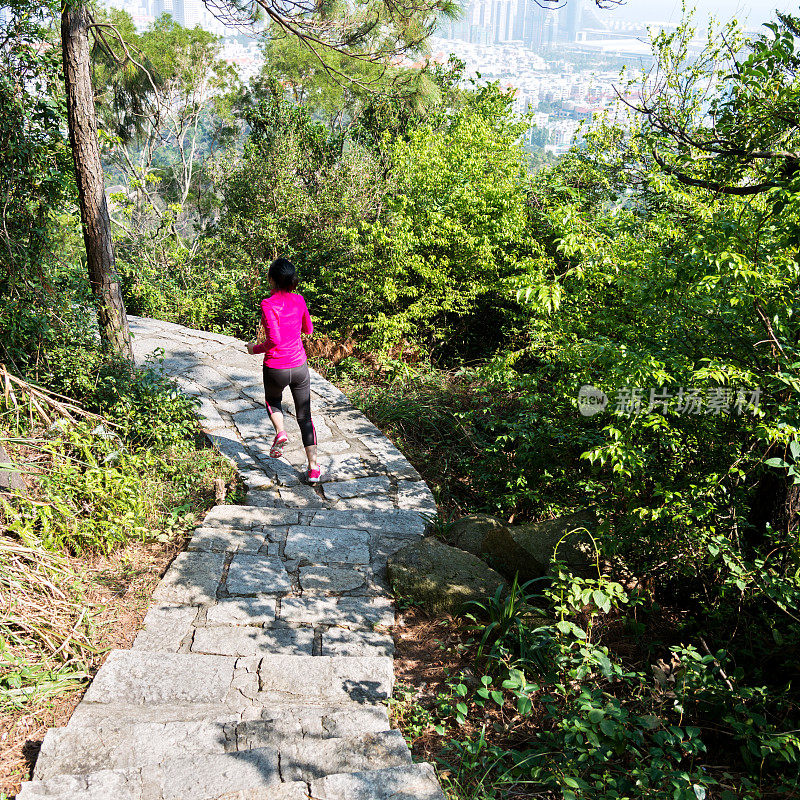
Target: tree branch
713, 186
773, 339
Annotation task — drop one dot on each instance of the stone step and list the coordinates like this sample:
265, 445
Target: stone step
244, 641
310, 759
325, 679
89, 715
171, 627
82, 750
290, 719
356, 613
138, 677
243, 625
342, 642
352, 579
408, 782
246, 518
196, 777
411, 782
228, 539
309, 535
199, 577
394, 522
173, 630
303, 755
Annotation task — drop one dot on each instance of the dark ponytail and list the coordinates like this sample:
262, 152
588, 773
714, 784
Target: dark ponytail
283, 273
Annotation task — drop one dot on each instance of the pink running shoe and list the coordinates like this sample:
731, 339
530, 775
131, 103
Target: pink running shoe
278, 443
314, 475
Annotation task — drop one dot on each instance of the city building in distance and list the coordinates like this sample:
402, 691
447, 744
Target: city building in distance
562, 63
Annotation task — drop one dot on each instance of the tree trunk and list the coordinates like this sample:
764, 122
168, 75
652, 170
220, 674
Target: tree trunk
776, 501
113, 320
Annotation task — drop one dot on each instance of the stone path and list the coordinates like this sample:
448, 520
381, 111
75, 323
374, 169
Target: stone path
263, 663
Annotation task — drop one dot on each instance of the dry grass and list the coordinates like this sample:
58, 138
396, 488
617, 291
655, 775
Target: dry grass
28, 401
38, 600
329, 350
108, 596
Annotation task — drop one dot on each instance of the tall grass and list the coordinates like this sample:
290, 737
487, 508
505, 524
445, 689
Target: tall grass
45, 634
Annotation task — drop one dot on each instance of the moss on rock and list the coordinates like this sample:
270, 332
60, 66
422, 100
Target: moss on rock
439, 577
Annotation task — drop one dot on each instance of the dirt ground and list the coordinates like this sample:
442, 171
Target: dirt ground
430, 653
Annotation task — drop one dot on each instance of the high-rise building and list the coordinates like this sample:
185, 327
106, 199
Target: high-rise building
570, 21
172, 7
524, 21
194, 13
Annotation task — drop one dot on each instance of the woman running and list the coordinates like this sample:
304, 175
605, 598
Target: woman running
285, 317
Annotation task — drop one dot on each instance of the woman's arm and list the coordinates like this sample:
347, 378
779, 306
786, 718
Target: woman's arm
306, 325
254, 346
272, 328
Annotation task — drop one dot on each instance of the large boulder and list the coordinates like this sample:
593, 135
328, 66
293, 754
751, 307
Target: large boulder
529, 549
439, 577
468, 532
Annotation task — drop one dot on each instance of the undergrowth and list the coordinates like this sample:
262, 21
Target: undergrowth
564, 710
106, 504
674, 690
480, 442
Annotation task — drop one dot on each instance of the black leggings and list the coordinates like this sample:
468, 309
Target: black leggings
299, 381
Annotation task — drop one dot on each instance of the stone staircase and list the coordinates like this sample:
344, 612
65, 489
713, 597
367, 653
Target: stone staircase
264, 663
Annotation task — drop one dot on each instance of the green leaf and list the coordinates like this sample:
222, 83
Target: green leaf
609, 727
605, 664
570, 628
601, 600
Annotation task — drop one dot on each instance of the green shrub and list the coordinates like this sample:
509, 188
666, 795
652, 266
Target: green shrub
136, 475
97, 493
583, 724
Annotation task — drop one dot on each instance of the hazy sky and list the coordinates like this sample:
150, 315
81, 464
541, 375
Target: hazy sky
754, 11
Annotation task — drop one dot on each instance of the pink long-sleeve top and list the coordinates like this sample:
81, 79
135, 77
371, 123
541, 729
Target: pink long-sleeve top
285, 316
